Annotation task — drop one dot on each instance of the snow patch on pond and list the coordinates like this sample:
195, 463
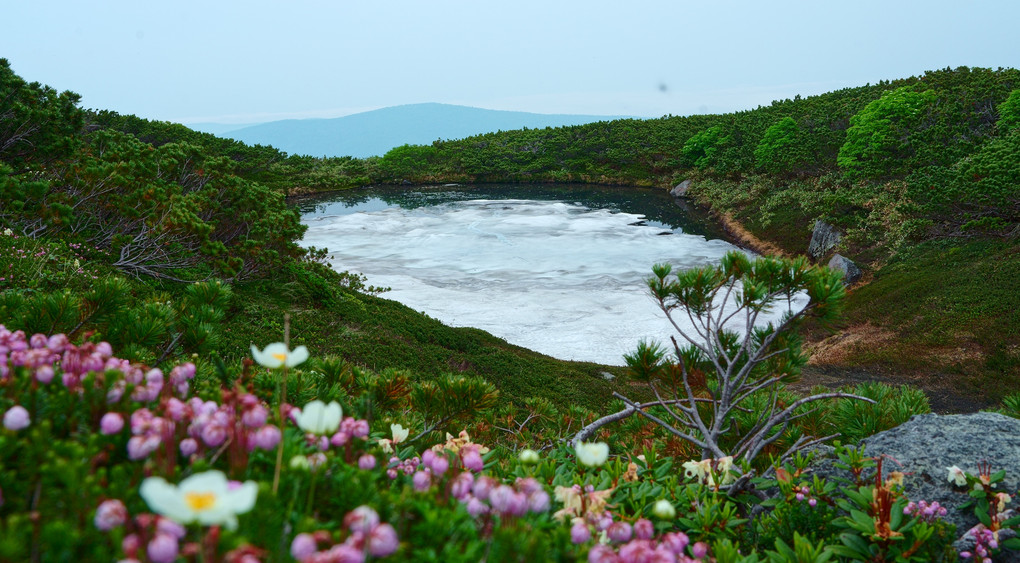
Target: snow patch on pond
559, 278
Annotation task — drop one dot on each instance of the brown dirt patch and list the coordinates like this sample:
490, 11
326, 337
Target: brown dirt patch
834, 362
942, 389
840, 347
746, 238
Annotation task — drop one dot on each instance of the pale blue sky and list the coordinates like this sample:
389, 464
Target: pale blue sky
256, 60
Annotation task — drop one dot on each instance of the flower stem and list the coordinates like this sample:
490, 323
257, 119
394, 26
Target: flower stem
283, 400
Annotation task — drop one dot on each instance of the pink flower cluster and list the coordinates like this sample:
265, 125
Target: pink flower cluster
924, 511
485, 495
632, 543
804, 493
672, 547
40, 354
160, 536
985, 541
407, 466
241, 419
432, 466
148, 432
368, 537
350, 428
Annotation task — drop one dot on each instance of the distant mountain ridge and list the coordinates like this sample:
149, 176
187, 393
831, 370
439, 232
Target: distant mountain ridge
373, 133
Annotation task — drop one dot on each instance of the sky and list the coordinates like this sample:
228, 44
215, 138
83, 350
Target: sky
252, 61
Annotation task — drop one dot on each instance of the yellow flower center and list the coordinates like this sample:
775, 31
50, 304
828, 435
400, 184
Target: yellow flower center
281, 357
200, 501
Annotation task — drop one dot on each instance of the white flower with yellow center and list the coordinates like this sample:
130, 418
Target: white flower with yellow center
276, 355
206, 498
319, 418
592, 454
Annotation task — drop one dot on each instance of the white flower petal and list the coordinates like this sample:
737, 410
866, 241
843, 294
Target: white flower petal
270, 357
242, 499
592, 454
163, 498
206, 482
309, 416
299, 355
399, 433
319, 418
331, 417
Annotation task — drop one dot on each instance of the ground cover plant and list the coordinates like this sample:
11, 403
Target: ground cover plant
189, 465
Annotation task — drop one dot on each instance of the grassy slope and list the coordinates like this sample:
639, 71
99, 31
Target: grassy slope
943, 315
954, 310
378, 333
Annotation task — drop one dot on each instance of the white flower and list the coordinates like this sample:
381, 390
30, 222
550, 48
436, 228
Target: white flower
386, 445
277, 354
1003, 500
724, 465
206, 498
957, 476
694, 469
399, 433
592, 454
319, 418
8, 232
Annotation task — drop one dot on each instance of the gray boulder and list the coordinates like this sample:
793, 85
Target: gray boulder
824, 238
924, 447
928, 444
851, 272
680, 190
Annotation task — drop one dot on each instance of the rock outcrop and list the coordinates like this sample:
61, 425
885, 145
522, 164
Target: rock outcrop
924, 447
824, 238
680, 190
851, 272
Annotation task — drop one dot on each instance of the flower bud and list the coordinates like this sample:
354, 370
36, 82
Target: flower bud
16, 418
619, 532
382, 540
162, 549
422, 481
663, 510
643, 529
111, 423
579, 532
529, 457
303, 546
110, 514
366, 462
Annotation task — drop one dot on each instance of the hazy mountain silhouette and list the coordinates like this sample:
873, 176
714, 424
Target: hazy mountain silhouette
376, 132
